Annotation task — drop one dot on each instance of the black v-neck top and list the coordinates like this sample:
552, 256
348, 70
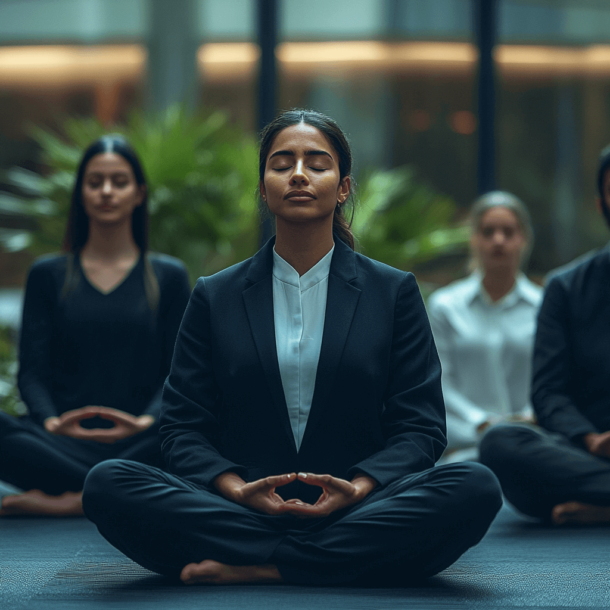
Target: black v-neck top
88, 347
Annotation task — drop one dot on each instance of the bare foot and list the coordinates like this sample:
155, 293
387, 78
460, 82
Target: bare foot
36, 503
214, 573
578, 512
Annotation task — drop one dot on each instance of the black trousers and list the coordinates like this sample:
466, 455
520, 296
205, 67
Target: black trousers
31, 458
413, 528
539, 469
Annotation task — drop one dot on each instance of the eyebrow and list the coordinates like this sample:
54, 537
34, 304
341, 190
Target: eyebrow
118, 172
308, 153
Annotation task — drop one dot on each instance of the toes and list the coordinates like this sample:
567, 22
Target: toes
187, 572
193, 573
562, 512
558, 515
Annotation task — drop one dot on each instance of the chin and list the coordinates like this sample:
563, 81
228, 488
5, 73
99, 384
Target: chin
502, 264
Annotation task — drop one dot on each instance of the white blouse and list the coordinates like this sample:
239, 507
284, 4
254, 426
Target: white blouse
299, 309
485, 350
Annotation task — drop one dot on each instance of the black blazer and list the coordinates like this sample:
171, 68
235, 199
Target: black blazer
571, 366
377, 406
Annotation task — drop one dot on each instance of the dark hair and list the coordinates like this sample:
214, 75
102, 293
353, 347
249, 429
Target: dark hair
603, 165
338, 140
77, 230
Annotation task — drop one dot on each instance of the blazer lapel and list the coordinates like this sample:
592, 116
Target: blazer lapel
341, 302
258, 299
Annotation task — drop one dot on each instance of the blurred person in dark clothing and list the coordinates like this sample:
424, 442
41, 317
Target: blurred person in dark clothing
484, 326
97, 338
560, 469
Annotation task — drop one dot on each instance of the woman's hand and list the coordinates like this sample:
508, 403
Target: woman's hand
259, 495
598, 444
125, 424
336, 494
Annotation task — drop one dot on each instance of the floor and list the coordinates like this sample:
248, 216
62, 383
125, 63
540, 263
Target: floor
65, 564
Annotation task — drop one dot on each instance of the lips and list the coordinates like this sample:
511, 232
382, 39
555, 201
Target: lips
299, 196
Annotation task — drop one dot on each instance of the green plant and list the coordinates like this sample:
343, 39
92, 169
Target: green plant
202, 175
9, 395
403, 222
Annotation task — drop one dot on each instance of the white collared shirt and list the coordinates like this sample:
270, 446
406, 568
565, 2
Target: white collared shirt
485, 350
299, 310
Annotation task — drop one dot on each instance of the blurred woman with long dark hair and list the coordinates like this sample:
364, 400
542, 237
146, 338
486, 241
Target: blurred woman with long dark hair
97, 337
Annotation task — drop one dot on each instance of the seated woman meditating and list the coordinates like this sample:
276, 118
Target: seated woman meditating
484, 326
303, 413
97, 338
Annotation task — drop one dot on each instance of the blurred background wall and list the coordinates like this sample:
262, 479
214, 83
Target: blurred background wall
400, 76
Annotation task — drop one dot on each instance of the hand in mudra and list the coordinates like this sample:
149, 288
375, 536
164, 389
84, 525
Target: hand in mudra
598, 444
261, 495
125, 424
336, 494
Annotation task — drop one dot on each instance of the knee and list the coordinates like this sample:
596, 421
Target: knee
101, 488
502, 444
479, 488
8, 424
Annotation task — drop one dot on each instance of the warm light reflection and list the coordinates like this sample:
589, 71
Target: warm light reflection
377, 55
65, 65
73, 65
230, 60
227, 60
593, 60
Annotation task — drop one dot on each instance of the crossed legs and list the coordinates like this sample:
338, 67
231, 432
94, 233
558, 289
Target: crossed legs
53, 468
411, 529
546, 476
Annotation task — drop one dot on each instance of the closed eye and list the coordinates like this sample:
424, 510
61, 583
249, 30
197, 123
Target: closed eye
315, 169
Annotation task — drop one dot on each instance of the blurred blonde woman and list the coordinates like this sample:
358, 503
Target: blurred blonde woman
484, 326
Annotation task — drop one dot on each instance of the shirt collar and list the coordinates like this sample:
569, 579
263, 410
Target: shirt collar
522, 290
286, 273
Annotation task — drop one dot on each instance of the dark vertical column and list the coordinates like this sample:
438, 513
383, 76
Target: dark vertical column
486, 15
172, 53
267, 20
564, 212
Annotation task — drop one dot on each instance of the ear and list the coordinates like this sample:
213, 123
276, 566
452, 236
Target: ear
344, 189
261, 188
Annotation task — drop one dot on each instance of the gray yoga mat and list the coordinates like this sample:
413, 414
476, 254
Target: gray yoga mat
52, 564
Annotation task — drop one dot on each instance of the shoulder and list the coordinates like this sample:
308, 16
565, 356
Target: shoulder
573, 264
165, 264
454, 294
530, 291
370, 270
578, 277
387, 289
231, 278
170, 271
49, 266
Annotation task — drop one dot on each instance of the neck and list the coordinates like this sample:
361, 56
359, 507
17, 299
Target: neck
499, 283
302, 246
110, 242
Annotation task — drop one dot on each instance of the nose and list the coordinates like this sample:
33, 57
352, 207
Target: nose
298, 173
107, 187
499, 237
